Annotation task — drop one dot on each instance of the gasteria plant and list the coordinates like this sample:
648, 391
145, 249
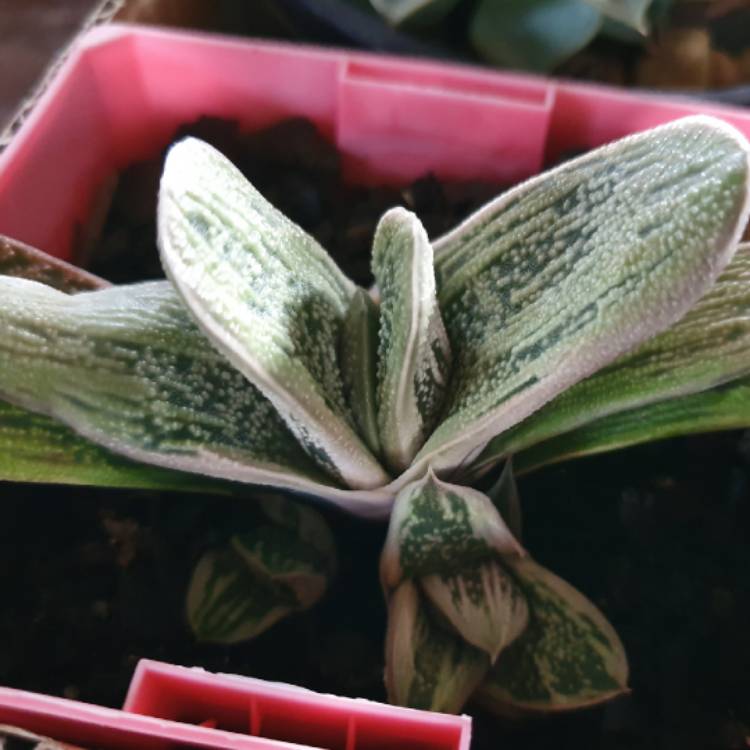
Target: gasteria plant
584, 296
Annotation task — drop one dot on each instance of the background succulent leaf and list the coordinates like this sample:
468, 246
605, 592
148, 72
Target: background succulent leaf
568, 657
709, 346
358, 356
413, 352
424, 11
631, 13
558, 277
483, 604
267, 296
427, 666
724, 408
532, 35
505, 497
281, 565
26, 262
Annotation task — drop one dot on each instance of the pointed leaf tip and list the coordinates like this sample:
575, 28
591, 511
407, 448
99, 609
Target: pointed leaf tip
268, 297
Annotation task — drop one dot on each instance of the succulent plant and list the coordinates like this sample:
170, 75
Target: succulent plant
605, 295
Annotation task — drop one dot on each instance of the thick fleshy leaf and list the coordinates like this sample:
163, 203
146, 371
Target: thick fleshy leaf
36, 448
267, 296
358, 357
26, 262
505, 497
724, 408
632, 13
561, 275
413, 352
426, 665
483, 604
536, 35
442, 529
281, 565
126, 368
709, 346
568, 657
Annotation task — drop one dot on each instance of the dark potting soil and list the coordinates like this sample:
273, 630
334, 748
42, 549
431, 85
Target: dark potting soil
657, 536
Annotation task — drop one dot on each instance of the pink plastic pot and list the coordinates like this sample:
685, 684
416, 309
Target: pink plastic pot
117, 99
175, 707
124, 90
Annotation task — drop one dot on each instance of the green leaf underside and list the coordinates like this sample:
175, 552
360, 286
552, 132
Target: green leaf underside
724, 408
26, 262
35, 448
126, 368
427, 666
442, 529
558, 277
228, 602
413, 350
535, 35
709, 346
632, 13
268, 297
358, 357
568, 657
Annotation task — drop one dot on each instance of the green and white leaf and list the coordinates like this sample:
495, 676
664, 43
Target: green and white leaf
426, 665
267, 296
279, 566
724, 408
505, 497
35, 448
568, 657
708, 347
442, 529
358, 356
484, 604
631, 13
413, 353
126, 368
534, 35
561, 275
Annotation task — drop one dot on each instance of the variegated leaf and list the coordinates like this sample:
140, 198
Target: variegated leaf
505, 497
126, 368
35, 448
484, 604
724, 408
568, 657
265, 573
709, 346
438, 528
561, 275
267, 296
413, 353
358, 357
632, 13
427, 666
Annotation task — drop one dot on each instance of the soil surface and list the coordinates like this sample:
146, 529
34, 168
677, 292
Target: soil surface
657, 536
